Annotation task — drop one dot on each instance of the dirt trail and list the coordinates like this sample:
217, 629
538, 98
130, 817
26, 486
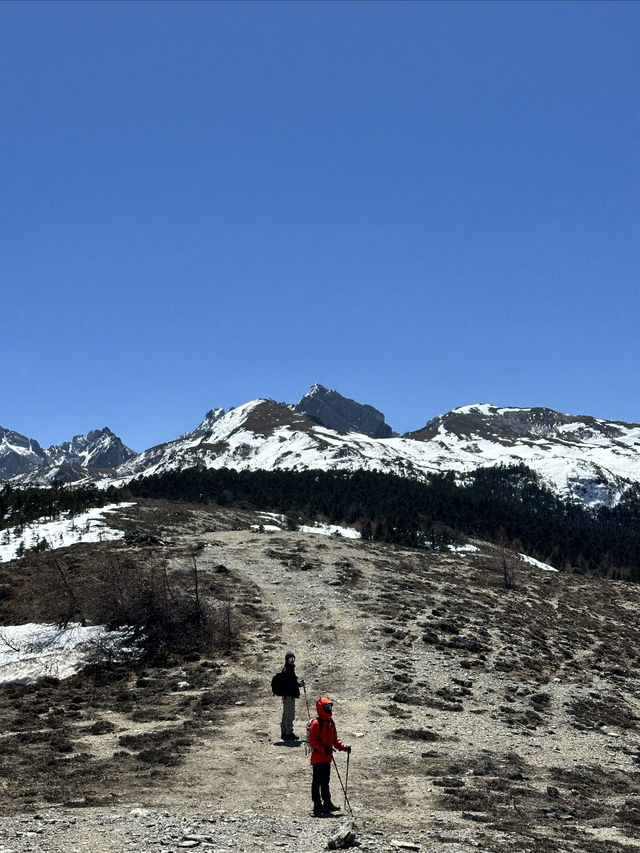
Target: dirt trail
246, 766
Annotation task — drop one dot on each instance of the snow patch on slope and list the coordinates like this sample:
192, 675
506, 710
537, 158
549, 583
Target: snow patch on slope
275, 523
29, 653
89, 526
530, 561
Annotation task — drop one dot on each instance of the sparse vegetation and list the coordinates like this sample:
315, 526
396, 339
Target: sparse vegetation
168, 611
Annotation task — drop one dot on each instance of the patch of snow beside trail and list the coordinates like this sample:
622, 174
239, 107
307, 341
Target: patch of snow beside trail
88, 526
463, 549
324, 529
29, 653
544, 566
330, 530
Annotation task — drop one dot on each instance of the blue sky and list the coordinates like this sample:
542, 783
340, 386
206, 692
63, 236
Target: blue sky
422, 205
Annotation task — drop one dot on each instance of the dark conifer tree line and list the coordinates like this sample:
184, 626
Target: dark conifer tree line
20, 506
507, 505
497, 504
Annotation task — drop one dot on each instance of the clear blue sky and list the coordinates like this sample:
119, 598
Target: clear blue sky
422, 205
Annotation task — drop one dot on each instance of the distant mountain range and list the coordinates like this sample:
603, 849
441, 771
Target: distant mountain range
90, 456
587, 459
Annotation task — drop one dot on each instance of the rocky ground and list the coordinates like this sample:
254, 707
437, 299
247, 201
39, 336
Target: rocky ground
481, 715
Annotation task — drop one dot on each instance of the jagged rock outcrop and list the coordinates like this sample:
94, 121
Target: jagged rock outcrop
100, 448
207, 424
342, 414
19, 454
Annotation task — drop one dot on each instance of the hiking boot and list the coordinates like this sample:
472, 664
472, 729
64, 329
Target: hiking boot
318, 811
330, 807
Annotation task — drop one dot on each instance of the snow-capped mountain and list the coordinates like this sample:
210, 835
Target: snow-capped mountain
583, 458
25, 459
100, 448
590, 460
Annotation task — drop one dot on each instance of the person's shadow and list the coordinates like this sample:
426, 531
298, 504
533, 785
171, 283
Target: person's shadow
287, 743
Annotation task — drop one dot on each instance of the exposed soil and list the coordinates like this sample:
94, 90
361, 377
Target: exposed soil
479, 716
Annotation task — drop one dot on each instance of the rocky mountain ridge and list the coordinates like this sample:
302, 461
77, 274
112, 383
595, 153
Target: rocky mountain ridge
72, 460
586, 459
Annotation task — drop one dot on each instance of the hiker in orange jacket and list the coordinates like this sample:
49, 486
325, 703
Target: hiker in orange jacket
323, 740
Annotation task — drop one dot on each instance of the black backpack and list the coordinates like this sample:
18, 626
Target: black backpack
278, 683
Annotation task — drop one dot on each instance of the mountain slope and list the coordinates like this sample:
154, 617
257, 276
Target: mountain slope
19, 454
587, 459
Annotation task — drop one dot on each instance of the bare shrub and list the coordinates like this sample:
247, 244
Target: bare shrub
166, 611
503, 560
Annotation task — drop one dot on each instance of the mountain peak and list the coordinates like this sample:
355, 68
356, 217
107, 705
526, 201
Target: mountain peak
343, 414
210, 418
587, 459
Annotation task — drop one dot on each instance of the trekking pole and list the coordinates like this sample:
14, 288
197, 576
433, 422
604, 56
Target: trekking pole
307, 701
346, 799
306, 743
346, 778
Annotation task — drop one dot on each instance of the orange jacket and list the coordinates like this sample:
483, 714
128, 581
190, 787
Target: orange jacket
323, 737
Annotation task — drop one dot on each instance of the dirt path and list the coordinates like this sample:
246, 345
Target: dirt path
247, 766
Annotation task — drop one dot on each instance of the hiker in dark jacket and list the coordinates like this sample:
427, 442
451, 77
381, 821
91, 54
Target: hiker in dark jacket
323, 741
291, 692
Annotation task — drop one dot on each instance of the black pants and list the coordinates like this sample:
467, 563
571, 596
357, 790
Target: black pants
320, 784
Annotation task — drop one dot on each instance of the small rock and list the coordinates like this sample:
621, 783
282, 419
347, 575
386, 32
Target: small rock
182, 685
239, 702
345, 837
